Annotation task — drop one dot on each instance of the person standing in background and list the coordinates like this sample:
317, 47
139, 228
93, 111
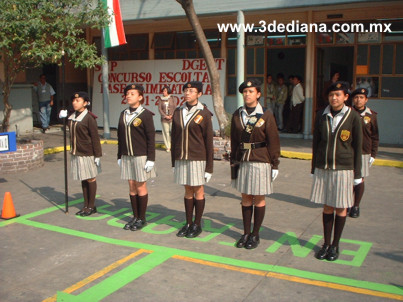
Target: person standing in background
270, 93
45, 93
281, 97
294, 124
166, 109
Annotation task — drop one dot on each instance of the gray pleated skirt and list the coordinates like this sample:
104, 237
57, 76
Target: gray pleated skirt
254, 178
132, 168
83, 167
189, 172
365, 165
333, 188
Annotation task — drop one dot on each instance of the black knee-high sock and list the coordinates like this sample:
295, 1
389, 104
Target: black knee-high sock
339, 222
358, 193
133, 201
247, 219
92, 191
189, 204
142, 206
327, 227
258, 217
84, 186
199, 209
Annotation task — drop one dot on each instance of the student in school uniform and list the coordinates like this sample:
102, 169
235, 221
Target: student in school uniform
370, 142
136, 152
166, 109
192, 154
85, 149
336, 165
255, 152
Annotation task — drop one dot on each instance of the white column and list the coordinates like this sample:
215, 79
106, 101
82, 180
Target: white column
240, 58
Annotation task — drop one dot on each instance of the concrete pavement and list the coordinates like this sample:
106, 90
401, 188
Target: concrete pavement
47, 255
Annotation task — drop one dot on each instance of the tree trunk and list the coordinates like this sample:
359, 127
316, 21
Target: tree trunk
222, 117
9, 76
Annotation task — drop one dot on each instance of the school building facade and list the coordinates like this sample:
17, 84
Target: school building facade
159, 30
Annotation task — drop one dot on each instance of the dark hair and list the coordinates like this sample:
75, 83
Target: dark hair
291, 76
42, 75
298, 77
269, 75
167, 88
333, 73
280, 76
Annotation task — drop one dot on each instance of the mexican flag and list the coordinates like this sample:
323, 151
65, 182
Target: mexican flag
114, 34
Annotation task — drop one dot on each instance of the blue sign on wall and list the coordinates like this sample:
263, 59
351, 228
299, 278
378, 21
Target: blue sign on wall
8, 142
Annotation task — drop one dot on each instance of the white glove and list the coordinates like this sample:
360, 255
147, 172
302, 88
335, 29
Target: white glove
357, 181
149, 166
63, 113
119, 162
274, 174
207, 176
97, 161
371, 161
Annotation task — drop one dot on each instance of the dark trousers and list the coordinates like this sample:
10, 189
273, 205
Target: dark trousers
294, 120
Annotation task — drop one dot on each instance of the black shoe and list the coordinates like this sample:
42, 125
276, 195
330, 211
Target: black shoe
81, 211
322, 253
241, 242
355, 212
88, 212
194, 231
130, 223
183, 231
348, 211
138, 225
253, 242
332, 253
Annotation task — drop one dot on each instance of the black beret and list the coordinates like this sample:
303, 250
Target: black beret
81, 94
363, 91
339, 85
134, 86
249, 83
194, 84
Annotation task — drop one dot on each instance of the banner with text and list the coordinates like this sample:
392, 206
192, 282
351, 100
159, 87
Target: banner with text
153, 75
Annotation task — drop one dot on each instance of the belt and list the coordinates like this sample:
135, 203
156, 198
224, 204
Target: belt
251, 146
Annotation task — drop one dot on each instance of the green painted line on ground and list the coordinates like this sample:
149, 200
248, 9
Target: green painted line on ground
118, 280
223, 260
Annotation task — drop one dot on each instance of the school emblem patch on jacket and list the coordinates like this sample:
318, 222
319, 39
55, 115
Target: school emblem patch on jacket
137, 122
260, 122
345, 135
198, 119
366, 119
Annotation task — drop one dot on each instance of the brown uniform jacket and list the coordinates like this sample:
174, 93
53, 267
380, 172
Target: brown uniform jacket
166, 109
370, 138
340, 150
265, 130
136, 135
84, 137
193, 141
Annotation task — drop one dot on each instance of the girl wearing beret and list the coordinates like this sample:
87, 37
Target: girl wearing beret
255, 151
166, 109
85, 149
192, 154
136, 152
370, 142
336, 165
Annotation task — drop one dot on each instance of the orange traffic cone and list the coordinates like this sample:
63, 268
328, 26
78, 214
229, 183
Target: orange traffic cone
8, 207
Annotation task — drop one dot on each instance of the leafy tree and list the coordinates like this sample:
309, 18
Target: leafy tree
222, 117
34, 32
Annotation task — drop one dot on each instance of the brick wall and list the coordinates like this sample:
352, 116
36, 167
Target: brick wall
222, 148
28, 156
